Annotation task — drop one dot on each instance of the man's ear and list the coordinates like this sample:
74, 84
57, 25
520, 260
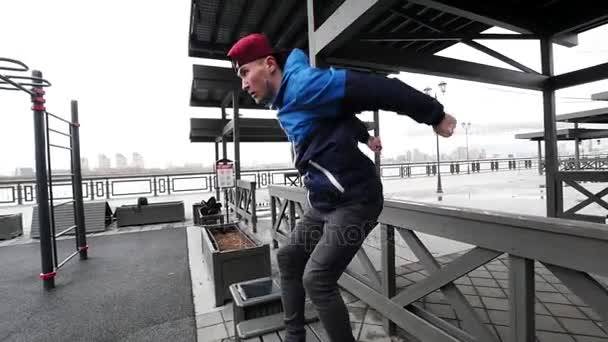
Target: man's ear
271, 64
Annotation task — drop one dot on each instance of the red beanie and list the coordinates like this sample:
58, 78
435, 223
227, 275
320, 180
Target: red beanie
250, 48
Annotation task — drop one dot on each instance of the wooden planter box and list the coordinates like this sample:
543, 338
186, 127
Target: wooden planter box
11, 226
153, 213
233, 256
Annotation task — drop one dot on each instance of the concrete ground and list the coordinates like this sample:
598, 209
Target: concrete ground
134, 287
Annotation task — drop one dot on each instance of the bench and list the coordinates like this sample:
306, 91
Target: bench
152, 213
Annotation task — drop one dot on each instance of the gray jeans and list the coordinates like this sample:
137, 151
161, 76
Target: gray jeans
320, 248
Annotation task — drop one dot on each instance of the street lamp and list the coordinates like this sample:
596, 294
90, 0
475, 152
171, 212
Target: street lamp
467, 127
428, 90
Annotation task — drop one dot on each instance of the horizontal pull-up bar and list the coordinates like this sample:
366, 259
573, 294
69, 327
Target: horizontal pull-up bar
16, 85
20, 65
43, 83
65, 231
59, 146
59, 132
60, 118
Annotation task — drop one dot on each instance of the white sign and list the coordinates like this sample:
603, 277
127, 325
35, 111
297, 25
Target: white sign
225, 174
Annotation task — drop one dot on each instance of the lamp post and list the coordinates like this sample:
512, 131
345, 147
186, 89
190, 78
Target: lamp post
466, 127
428, 90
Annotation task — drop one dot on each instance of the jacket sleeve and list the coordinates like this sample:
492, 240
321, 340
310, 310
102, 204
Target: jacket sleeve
366, 92
360, 129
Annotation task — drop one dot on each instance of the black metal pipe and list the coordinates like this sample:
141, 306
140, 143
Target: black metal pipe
42, 195
81, 239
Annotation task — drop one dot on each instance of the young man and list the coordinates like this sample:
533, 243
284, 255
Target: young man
316, 108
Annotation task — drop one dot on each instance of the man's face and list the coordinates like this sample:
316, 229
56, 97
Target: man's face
255, 79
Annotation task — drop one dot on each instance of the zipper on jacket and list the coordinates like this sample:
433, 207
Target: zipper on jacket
328, 174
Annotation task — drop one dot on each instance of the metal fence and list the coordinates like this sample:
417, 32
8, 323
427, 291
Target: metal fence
22, 191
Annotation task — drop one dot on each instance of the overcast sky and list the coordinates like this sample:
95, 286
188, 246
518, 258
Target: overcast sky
127, 64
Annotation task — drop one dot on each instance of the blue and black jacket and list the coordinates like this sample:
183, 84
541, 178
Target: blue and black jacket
317, 107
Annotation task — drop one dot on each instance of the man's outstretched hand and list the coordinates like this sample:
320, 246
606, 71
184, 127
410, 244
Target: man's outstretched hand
374, 144
446, 126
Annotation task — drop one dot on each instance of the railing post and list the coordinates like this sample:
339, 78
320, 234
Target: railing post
19, 196
154, 183
92, 190
107, 188
168, 185
273, 218
521, 299
389, 287
254, 204
292, 215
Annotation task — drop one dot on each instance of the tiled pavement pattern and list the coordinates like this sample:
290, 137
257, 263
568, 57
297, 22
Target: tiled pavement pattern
560, 315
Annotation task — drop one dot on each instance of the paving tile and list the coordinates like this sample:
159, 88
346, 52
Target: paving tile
543, 270
443, 311
544, 336
551, 279
463, 281
491, 292
498, 267
496, 303
580, 338
475, 301
212, 333
356, 314
499, 317
229, 328
454, 322
541, 309
373, 333
591, 314
347, 297
227, 312
436, 297
484, 282
403, 269
562, 288
562, 310
543, 286
547, 297
500, 275
483, 315
467, 289
358, 304
356, 328
503, 283
492, 329
415, 277
582, 327
574, 299
503, 332
548, 323
207, 319
373, 317
403, 282
480, 273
